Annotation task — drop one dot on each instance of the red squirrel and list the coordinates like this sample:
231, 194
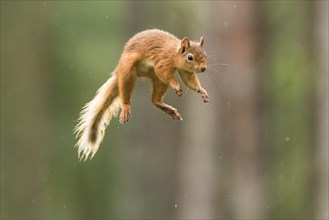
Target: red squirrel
153, 54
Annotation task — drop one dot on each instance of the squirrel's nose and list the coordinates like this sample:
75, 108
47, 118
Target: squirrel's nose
203, 68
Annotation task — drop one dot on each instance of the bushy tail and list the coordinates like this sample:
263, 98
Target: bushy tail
95, 117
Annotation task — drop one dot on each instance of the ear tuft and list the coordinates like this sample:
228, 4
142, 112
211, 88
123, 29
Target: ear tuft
185, 44
201, 41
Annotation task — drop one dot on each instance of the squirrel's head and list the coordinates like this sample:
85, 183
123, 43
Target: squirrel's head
192, 57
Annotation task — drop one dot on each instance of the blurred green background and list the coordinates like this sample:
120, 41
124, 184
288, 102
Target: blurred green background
259, 149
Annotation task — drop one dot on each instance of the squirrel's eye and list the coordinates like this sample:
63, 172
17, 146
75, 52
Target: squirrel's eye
190, 57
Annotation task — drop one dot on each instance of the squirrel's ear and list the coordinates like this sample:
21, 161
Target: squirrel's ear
185, 44
201, 41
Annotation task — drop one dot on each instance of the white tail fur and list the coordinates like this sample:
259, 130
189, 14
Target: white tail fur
95, 117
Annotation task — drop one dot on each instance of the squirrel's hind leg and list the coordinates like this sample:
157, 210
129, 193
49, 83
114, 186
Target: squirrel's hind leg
159, 89
126, 80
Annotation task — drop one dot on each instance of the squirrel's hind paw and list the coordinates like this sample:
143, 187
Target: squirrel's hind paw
176, 116
124, 115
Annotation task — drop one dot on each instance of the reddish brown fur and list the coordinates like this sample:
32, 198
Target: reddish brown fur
156, 54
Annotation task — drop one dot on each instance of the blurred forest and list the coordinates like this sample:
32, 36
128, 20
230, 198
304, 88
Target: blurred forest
259, 149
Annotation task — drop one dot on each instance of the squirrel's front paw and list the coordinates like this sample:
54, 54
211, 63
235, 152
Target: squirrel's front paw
204, 95
179, 92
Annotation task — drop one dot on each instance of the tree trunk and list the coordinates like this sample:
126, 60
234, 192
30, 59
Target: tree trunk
240, 112
321, 156
25, 116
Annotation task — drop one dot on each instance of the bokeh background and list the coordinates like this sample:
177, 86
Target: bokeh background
259, 149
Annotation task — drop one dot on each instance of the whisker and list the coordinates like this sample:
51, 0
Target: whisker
216, 70
213, 52
212, 79
205, 79
186, 92
219, 73
218, 64
213, 58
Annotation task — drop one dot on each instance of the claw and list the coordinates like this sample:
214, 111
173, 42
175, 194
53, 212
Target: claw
205, 98
176, 116
204, 94
179, 92
124, 116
